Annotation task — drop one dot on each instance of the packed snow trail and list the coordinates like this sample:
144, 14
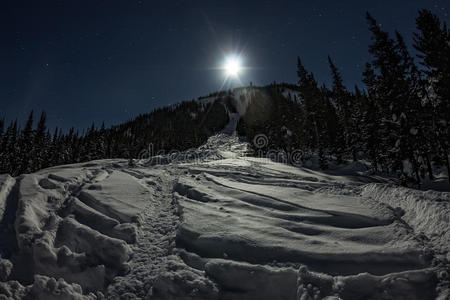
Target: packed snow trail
212, 223
155, 238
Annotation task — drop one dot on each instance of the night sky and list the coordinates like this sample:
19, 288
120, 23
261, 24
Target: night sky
84, 61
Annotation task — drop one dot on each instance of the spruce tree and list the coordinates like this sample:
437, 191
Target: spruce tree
10, 159
371, 125
396, 98
310, 95
433, 43
101, 150
41, 145
355, 137
319, 123
2, 124
26, 147
54, 149
344, 105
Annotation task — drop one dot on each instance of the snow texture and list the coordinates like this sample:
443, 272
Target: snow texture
216, 224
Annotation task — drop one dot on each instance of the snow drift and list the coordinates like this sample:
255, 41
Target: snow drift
215, 224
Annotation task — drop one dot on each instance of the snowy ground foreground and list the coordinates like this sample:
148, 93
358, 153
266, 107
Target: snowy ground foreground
219, 225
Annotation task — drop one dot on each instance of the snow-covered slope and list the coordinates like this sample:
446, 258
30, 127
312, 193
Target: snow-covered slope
241, 98
219, 225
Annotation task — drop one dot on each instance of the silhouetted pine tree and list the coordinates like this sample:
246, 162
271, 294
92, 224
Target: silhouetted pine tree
2, 124
343, 101
433, 43
371, 125
54, 149
10, 162
101, 142
355, 138
41, 143
396, 97
25, 145
332, 133
319, 115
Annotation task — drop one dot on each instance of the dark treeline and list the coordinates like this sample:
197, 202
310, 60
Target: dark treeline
400, 121
179, 127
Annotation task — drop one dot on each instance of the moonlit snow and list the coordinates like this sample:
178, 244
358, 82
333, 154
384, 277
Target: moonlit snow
219, 225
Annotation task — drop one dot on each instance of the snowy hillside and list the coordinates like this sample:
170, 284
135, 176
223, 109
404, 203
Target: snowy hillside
242, 97
216, 224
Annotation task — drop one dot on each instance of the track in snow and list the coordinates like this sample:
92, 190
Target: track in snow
216, 225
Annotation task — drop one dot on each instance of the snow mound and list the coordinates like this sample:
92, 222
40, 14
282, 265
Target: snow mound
6, 184
76, 223
261, 223
428, 212
7, 214
414, 285
119, 196
246, 281
5, 269
45, 288
183, 282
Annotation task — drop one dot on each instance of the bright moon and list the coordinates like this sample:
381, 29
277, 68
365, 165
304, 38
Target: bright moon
233, 66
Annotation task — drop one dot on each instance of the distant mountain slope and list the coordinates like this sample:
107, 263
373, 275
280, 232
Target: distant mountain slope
178, 127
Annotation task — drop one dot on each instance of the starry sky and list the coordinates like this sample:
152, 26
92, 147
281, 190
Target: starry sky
90, 61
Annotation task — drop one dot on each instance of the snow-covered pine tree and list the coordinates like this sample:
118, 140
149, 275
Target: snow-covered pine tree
2, 124
3, 152
41, 145
395, 96
433, 43
355, 138
331, 136
9, 163
101, 142
319, 122
343, 101
89, 145
26, 147
371, 125
71, 142
411, 125
54, 153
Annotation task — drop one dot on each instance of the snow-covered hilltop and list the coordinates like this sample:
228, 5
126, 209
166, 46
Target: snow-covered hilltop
219, 225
